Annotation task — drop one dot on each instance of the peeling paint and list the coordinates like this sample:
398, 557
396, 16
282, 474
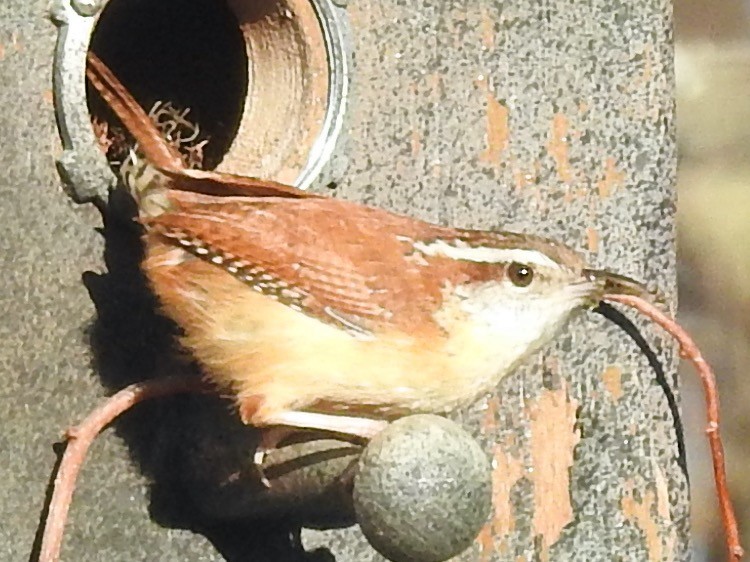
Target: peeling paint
506, 471
525, 177
498, 133
648, 64
489, 420
592, 239
612, 179
662, 491
416, 142
641, 514
662, 508
552, 441
558, 147
434, 83
535, 65
486, 543
612, 380
488, 30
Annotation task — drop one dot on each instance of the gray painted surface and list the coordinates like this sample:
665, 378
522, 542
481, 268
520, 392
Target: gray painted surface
425, 75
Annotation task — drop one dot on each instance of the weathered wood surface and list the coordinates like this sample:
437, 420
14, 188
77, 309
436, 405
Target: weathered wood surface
553, 118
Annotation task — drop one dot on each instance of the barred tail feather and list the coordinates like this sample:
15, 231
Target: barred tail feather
156, 150
165, 158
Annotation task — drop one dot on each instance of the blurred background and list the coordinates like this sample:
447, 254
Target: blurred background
713, 189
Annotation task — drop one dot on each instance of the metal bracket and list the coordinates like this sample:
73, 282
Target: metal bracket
334, 29
82, 165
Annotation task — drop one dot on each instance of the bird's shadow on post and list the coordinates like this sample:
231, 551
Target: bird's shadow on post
175, 441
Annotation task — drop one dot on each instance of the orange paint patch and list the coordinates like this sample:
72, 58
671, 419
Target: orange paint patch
498, 133
489, 420
525, 177
648, 65
662, 508
592, 239
506, 472
662, 491
612, 179
553, 440
486, 543
47, 96
434, 83
416, 142
612, 379
640, 513
488, 30
558, 147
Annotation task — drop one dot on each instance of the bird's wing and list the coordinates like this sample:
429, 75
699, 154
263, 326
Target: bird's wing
341, 262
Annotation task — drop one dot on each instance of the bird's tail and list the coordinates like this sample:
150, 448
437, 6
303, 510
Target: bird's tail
166, 170
154, 148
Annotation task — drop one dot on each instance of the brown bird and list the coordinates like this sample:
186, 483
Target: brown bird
326, 314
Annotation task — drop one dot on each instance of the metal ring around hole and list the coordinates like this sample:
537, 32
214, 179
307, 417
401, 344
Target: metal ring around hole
82, 165
333, 27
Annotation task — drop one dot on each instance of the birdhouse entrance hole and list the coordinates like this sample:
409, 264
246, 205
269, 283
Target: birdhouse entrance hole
263, 80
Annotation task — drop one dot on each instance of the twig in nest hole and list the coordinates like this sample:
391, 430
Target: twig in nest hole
689, 350
82, 436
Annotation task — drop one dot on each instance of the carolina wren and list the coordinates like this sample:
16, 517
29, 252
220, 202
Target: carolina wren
327, 314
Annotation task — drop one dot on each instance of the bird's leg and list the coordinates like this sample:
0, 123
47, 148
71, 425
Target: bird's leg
270, 437
350, 427
284, 424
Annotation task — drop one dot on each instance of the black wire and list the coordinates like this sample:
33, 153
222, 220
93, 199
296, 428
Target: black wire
611, 313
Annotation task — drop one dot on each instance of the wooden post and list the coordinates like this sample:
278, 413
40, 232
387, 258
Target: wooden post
553, 118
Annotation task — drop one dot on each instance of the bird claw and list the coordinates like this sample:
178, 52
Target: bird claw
269, 440
258, 458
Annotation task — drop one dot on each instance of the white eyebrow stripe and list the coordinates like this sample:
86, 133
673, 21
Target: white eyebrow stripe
462, 251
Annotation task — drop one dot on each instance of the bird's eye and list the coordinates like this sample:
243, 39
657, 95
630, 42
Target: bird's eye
520, 275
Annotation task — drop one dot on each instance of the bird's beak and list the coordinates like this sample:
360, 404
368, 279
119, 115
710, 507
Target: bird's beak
606, 283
